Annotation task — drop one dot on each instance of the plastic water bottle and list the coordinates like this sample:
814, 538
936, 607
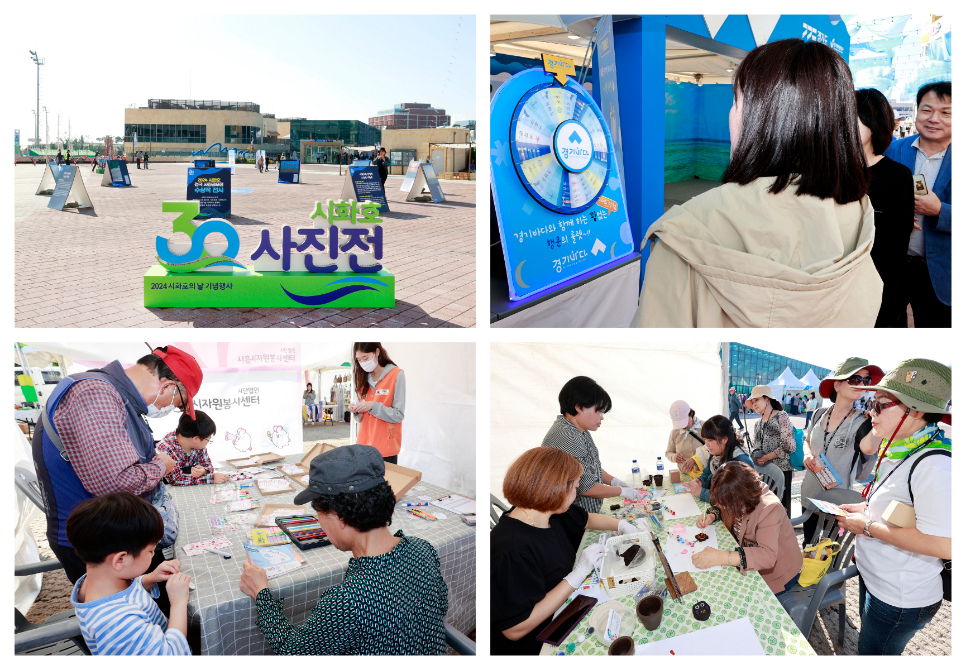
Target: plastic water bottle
659, 473
635, 475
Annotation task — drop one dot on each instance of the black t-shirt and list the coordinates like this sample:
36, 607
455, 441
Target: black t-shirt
525, 564
893, 199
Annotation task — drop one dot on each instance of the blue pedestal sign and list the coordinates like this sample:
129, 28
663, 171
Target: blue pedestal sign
116, 174
212, 189
362, 183
288, 172
556, 185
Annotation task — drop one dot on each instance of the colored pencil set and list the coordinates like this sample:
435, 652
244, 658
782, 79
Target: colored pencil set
304, 530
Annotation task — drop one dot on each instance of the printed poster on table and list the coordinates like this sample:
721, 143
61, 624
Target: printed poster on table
253, 396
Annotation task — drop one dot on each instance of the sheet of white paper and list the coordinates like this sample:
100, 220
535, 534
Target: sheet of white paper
457, 504
440, 515
425, 498
247, 461
735, 638
679, 553
273, 484
682, 505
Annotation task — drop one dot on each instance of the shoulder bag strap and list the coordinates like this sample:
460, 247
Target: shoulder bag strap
942, 452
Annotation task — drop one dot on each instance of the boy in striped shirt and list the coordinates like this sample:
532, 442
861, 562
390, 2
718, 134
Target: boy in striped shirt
115, 535
187, 445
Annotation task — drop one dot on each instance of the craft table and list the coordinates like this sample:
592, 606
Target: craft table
226, 618
730, 594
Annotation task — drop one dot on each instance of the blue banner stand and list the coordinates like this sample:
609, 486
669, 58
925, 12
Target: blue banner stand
289, 171
362, 184
212, 189
116, 174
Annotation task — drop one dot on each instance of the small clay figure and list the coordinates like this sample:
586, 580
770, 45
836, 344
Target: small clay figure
701, 537
630, 553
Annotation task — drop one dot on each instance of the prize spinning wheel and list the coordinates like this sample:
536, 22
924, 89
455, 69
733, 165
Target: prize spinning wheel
559, 147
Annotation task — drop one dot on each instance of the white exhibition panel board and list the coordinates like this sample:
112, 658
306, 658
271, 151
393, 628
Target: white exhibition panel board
254, 411
642, 379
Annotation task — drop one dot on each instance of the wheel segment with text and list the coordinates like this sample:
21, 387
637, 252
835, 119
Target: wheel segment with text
560, 147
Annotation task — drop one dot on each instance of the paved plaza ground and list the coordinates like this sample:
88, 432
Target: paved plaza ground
85, 268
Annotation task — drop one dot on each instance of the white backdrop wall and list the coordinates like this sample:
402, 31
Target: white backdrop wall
439, 431
641, 379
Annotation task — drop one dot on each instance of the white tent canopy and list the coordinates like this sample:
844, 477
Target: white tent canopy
642, 379
810, 380
784, 382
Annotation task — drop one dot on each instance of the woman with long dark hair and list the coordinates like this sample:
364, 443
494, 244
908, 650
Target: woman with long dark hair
720, 439
381, 387
786, 240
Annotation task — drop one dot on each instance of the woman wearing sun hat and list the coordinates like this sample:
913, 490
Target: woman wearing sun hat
901, 561
841, 433
773, 437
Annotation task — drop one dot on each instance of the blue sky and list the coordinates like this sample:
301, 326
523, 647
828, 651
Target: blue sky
318, 67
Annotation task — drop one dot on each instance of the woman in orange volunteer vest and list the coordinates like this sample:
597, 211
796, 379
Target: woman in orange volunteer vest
381, 387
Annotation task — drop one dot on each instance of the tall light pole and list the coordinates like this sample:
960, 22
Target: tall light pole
39, 61
46, 132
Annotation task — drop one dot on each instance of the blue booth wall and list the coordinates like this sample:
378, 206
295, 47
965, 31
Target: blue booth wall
697, 144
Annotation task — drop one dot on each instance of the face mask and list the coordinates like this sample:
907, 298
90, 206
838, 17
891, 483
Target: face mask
154, 412
370, 365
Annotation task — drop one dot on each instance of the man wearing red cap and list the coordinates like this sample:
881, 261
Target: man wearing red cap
93, 438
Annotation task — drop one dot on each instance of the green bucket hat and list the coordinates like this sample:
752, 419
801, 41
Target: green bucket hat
922, 385
845, 370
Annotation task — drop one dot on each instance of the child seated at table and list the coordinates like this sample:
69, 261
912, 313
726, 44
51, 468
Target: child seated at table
187, 445
115, 535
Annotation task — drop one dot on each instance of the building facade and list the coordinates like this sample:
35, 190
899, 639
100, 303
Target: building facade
745, 366
351, 133
180, 127
410, 115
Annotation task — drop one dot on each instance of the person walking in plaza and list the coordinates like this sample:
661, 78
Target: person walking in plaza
68, 157
927, 272
583, 403
840, 433
905, 560
774, 438
734, 407
60, 157
94, 162
381, 408
137, 158
532, 548
786, 240
258, 162
685, 446
145, 160
93, 439
892, 195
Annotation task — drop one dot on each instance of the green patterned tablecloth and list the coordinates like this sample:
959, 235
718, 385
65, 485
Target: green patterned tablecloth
730, 594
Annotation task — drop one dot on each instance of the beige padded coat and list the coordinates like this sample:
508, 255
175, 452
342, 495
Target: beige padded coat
738, 256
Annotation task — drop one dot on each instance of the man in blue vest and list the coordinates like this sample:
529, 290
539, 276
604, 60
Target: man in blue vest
93, 437
927, 276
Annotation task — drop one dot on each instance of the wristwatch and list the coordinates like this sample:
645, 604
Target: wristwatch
865, 531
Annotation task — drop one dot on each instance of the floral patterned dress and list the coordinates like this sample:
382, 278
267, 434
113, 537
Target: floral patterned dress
775, 436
